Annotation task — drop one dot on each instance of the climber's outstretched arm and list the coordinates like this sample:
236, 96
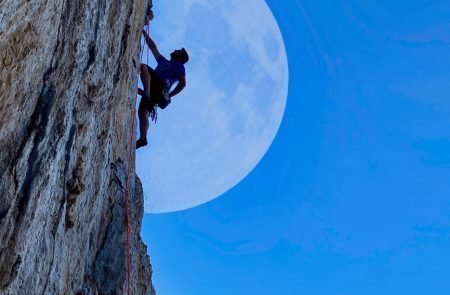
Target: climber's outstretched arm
180, 86
151, 45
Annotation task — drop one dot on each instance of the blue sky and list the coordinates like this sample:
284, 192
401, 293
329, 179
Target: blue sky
353, 195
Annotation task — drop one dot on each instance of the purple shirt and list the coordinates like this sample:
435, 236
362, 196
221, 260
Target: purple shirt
169, 71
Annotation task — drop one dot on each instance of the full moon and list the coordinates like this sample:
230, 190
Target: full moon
220, 126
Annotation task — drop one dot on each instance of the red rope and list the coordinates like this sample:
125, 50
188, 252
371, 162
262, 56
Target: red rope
148, 33
127, 185
127, 182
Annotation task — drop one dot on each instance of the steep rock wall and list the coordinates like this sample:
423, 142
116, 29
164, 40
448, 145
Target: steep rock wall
67, 85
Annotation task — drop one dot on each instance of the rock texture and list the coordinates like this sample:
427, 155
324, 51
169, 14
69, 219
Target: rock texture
67, 90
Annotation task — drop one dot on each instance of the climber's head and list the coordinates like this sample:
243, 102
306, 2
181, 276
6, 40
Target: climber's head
180, 55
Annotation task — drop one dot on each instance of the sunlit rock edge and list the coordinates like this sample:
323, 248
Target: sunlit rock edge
67, 85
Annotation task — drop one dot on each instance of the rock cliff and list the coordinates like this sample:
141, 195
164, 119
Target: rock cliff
67, 90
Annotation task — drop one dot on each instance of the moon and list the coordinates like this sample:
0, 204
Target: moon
220, 126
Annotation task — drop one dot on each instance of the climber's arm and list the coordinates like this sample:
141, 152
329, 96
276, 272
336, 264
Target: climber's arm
151, 44
180, 86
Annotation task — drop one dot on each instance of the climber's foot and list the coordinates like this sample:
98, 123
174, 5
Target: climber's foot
141, 142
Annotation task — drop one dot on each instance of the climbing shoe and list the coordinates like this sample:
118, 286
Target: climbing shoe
141, 142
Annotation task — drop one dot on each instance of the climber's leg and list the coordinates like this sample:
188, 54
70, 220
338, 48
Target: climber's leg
146, 79
143, 113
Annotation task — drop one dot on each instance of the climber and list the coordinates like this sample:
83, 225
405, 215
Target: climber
157, 84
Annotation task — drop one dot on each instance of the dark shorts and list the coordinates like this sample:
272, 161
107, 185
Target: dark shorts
156, 92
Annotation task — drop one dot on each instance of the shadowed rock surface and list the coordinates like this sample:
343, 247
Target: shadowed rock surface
67, 90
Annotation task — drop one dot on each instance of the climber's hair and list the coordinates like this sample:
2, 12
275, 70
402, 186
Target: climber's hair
184, 57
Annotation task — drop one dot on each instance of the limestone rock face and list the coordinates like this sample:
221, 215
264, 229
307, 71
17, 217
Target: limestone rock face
67, 92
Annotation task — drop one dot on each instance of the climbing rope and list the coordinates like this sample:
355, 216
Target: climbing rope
127, 181
148, 33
